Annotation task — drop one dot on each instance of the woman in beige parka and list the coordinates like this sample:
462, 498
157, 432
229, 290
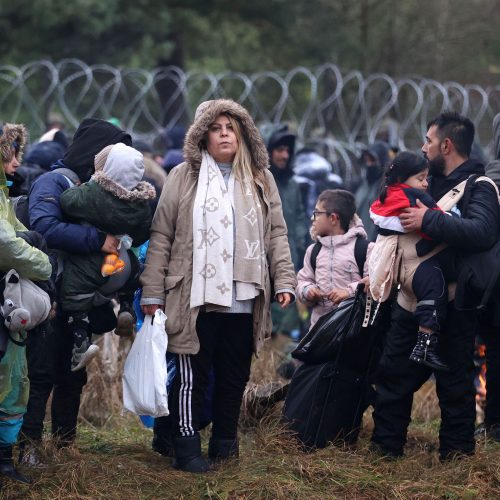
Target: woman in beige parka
218, 241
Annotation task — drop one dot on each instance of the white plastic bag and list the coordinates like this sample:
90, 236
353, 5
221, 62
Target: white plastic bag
145, 372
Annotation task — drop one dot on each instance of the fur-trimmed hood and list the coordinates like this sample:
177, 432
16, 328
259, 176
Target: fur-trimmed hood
206, 114
9, 133
144, 191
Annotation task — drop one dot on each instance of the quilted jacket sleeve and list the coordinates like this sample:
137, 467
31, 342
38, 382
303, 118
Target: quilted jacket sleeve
47, 218
477, 231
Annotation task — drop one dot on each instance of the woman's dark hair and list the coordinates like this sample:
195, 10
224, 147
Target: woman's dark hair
404, 165
340, 202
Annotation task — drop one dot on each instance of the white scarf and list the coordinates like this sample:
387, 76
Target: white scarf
217, 261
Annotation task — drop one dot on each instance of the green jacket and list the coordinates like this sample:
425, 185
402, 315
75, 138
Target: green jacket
15, 253
30, 263
111, 209
93, 204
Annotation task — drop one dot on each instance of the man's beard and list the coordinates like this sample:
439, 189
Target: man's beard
437, 165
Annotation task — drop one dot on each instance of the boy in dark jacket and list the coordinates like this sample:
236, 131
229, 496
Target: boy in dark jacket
114, 201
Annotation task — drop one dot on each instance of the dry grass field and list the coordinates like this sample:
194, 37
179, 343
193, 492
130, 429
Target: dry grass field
114, 460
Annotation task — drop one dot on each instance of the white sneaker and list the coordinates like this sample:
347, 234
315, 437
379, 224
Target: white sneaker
82, 356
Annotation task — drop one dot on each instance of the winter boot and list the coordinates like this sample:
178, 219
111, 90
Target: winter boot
126, 318
83, 350
162, 437
221, 449
188, 456
425, 351
7, 466
29, 455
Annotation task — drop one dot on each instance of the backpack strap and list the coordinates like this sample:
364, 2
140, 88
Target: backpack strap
360, 250
468, 189
314, 255
68, 173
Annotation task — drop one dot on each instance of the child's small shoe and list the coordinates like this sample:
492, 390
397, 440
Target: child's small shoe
83, 355
425, 351
112, 265
83, 350
126, 320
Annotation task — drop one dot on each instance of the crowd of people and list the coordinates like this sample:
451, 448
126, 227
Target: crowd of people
247, 238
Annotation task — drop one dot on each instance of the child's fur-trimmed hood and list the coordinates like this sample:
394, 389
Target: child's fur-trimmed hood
144, 191
12, 132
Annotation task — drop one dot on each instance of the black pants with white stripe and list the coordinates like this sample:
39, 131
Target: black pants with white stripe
226, 343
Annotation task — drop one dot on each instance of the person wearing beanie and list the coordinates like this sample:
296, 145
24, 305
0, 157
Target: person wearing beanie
218, 240
281, 146
115, 201
29, 263
67, 238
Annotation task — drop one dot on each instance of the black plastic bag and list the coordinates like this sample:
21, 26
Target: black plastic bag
343, 324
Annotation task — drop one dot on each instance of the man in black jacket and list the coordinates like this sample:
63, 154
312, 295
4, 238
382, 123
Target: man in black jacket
447, 147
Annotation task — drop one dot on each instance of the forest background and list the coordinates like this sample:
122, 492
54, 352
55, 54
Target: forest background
440, 39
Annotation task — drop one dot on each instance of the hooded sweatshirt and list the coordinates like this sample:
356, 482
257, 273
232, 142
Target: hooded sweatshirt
46, 215
291, 197
91, 137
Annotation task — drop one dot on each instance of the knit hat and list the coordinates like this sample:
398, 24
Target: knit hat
123, 164
91, 136
12, 135
25, 304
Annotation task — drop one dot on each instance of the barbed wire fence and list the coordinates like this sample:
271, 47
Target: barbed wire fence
338, 112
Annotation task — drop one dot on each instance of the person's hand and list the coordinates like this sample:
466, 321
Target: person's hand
366, 282
110, 244
338, 295
150, 309
284, 299
411, 218
314, 294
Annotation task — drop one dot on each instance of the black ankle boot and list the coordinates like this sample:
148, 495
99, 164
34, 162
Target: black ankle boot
188, 456
425, 351
221, 449
7, 466
162, 437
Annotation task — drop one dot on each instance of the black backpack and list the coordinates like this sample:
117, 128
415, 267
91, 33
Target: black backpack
360, 249
479, 273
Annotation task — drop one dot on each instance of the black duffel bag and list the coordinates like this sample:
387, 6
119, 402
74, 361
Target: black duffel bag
342, 325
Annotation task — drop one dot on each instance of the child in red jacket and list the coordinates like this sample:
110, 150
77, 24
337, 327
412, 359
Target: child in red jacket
405, 182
